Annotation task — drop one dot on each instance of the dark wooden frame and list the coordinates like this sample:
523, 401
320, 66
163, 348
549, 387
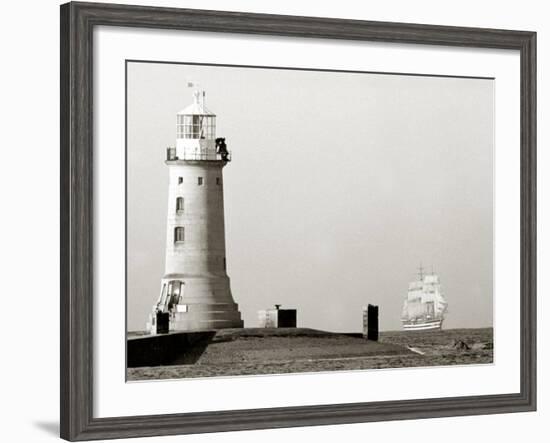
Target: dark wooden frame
77, 24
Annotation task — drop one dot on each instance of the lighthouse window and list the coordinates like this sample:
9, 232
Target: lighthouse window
179, 234
196, 126
199, 181
180, 180
179, 204
218, 181
180, 126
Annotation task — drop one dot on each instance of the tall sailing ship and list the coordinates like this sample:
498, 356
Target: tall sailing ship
425, 306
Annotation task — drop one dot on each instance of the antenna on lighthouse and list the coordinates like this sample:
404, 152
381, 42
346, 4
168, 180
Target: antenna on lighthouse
198, 94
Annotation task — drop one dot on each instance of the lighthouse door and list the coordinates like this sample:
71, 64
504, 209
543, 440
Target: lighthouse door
174, 292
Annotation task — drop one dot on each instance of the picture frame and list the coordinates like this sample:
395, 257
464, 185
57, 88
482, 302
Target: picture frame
78, 21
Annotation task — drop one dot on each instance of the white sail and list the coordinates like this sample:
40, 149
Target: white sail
425, 305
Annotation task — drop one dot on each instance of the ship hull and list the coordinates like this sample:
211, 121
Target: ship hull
423, 326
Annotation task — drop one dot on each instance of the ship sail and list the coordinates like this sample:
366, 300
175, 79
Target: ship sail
425, 306
414, 308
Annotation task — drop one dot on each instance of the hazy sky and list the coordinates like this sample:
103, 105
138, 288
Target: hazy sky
340, 185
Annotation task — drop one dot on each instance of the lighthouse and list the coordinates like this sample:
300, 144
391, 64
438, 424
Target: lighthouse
195, 291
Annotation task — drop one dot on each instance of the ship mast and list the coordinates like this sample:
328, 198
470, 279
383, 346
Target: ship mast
420, 273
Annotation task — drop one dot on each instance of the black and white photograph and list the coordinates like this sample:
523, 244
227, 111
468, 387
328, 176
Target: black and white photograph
299, 220
257, 222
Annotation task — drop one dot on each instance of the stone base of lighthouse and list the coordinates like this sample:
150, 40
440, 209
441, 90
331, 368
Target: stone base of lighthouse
204, 303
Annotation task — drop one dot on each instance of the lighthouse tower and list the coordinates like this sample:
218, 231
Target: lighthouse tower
195, 292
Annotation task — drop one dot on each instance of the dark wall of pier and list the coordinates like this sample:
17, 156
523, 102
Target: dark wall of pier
167, 349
